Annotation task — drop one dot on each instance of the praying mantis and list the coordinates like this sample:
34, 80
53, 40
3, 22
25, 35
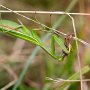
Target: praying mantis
20, 31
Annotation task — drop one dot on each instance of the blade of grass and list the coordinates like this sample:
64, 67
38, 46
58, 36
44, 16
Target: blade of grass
75, 76
68, 9
36, 50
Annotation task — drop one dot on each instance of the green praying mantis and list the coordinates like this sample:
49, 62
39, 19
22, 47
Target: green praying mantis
20, 31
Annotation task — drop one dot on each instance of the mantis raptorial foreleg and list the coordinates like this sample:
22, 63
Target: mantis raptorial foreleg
65, 46
68, 41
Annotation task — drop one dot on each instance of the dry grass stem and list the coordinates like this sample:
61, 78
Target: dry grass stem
12, 73
77, 50
17, 49
45, 12
63, 80
60, 33
8, 85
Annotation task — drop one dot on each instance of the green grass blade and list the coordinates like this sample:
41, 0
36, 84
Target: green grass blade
68, 9
28, 63
75, 76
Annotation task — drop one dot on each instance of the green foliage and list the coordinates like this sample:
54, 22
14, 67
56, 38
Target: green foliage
74, 77
61, 85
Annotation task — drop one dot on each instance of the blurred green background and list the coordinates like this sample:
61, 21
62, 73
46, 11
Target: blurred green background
15, 53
